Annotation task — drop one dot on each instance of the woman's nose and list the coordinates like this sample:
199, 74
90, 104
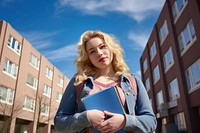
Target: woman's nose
99, 51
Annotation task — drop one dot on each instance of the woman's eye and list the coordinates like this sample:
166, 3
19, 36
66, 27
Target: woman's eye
103, 46
91, 52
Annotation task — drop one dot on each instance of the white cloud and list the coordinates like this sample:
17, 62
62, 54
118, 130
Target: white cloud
64, 53
136, 9
139, 39
43, 41
40, 40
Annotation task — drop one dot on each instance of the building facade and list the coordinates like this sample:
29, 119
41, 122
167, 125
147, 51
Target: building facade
170, 67
30, 86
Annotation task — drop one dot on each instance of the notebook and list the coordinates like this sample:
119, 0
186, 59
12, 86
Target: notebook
107, 99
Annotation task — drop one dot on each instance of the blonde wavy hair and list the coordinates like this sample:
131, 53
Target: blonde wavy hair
85, 68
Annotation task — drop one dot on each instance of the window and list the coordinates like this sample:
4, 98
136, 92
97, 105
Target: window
159, 98
168, 59
58, 96
193, 75
156, 74
147, 84
29, 103
180, 121
10, 68
14, 44
178, 8
47, 90
153, 51
49, 73
163, 32
45, 109
6, 95
32, 81
186, 37
60, 81
34, 61
173, 90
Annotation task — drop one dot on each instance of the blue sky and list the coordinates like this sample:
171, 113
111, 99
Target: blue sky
54, 27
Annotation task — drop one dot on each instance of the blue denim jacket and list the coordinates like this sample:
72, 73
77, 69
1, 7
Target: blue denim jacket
140, 117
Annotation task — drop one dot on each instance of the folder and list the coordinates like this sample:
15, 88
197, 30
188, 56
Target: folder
107, 99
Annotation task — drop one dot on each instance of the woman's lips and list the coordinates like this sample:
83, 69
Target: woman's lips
102, 59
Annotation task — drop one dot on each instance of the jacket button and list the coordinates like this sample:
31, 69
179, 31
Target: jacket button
128, 93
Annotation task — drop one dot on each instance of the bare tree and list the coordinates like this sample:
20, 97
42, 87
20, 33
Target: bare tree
40, 102
9, 113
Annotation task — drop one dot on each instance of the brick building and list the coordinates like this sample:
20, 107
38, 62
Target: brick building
170, 67
30, 86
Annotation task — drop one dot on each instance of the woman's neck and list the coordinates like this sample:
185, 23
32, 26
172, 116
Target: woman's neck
109, 72
107, 75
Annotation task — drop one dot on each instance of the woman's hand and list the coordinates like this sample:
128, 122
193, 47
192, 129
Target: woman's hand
95, 117
113, 124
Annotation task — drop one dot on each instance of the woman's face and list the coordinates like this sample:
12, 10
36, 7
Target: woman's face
99, 53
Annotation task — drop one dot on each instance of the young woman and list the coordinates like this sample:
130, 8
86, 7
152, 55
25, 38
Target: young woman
100, 65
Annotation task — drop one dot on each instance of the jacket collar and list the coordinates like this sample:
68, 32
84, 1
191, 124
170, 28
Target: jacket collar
123, 78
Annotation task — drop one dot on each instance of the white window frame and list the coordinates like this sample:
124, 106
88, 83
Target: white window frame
189, 74
159, 99
60, 81
147, 84
173, 89
14, 45
168, 62
183, 45
156, 74
34, 80
58, 96
29, 106
34, 61
163, 32
6, 95
45, 109
180, 121
10, 68
176, 12
49, 73
153, 51
47, 90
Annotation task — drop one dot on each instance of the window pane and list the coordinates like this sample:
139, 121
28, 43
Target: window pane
192, 30
186, 36
9, 40
156, 74
173, 90
13, 43
145, 65
147, 84
168, 59
163, 31
159, 98
3, 93
196, 73
30, 80
193, 75
179, 4
180, 121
